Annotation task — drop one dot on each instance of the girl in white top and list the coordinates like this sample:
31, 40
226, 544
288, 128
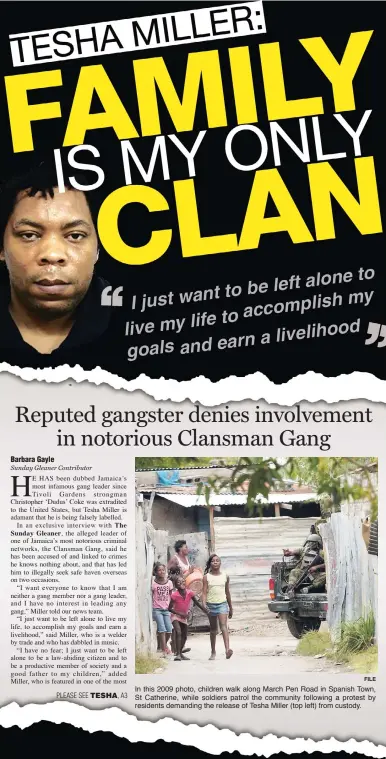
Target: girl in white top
217, 599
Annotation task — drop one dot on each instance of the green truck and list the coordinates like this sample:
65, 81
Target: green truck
304, 611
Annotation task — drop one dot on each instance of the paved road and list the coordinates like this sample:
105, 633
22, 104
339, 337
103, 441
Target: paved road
252, 656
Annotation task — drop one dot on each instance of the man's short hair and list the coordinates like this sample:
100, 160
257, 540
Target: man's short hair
40, 179
178, 545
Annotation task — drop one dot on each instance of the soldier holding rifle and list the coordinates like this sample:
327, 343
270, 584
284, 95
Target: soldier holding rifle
310, 563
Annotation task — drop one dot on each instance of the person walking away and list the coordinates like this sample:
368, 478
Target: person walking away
217, 598
180, 604
162, 589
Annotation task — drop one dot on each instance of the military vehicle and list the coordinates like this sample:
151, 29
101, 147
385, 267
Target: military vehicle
302, 608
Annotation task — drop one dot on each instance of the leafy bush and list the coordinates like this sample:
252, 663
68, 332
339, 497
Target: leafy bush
355, 648
355, 636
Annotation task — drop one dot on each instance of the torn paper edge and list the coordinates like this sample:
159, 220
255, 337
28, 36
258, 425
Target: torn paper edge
208, 738
310, 387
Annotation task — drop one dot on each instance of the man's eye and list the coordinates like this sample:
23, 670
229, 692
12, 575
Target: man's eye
76, 236
29, 236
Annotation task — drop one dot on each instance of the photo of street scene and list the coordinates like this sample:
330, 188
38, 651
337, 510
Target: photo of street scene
256, 565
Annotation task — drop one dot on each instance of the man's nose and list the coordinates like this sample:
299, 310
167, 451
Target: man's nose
53, 251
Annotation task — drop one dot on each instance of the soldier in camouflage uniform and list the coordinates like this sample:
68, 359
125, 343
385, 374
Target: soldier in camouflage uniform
312, 547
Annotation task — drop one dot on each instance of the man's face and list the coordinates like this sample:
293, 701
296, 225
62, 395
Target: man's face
50, 248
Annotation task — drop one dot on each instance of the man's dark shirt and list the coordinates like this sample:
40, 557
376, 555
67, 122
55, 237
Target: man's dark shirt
83, 344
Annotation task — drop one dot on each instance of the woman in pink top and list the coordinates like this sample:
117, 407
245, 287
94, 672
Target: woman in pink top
180, 603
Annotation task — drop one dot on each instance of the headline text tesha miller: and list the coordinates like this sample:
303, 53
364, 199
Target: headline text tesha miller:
143, 33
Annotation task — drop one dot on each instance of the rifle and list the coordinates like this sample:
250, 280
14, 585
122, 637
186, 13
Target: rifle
316, 560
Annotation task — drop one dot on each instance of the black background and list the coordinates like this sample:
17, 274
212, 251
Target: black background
223, 192
45, 739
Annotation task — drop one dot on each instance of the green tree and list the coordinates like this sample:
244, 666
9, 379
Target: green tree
335, 480
338, 479
260, 475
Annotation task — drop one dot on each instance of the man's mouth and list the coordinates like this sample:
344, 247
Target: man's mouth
52, 286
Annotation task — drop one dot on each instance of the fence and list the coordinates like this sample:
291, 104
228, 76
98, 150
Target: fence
352, 575
248, 548
150, 546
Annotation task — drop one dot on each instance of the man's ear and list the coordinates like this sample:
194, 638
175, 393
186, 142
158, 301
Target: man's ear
2, 255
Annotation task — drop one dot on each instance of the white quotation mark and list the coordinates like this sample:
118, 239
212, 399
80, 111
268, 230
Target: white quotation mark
112, 297
376, 332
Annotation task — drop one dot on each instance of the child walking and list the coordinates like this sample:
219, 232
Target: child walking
180, 603
161, 588
217, 598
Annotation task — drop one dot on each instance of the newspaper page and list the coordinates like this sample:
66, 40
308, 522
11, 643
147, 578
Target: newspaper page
192, 380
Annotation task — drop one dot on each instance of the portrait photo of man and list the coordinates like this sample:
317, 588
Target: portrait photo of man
50, 295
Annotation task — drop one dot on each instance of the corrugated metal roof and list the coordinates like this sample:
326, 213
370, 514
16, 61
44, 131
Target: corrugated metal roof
228, 499
248, 548
292, 497
172, 490
186, 468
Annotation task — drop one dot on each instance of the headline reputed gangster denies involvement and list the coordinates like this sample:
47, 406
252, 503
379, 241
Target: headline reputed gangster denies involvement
191, 436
